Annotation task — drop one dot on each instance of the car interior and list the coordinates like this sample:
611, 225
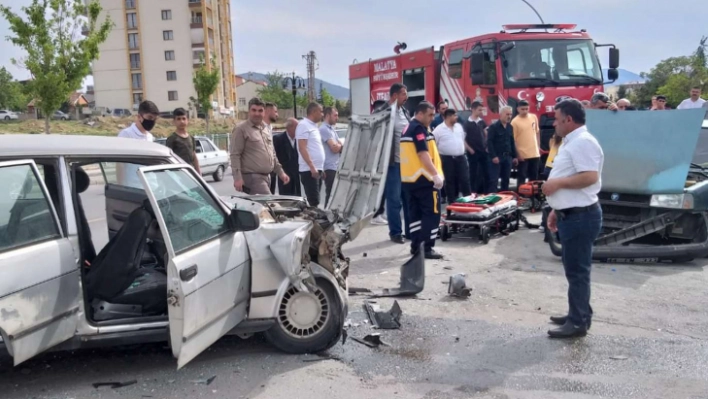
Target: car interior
126, 281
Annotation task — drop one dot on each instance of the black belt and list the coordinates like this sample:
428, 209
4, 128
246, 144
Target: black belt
453, 156
564, 213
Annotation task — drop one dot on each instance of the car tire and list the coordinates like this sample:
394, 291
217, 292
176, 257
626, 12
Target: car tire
7, 118
63, 118
218, 175
322, 312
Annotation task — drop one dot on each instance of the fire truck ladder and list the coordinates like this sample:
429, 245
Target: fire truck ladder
641, 229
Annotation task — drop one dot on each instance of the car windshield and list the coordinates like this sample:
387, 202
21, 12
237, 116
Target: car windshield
551, 63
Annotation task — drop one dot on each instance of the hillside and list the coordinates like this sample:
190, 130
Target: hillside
338, 92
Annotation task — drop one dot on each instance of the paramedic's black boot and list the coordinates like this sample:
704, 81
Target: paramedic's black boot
568, 330
560, 320
433, 255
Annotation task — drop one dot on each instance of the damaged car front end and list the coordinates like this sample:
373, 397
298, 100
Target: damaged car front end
654, 194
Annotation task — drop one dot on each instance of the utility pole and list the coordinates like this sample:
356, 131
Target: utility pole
312, 65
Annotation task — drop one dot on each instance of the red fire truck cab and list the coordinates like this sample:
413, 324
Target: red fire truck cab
541, 64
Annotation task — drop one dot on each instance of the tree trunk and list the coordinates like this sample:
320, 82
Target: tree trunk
206, 119
46, 124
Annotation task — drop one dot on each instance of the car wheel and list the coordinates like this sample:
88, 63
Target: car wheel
219, 174
308, 322
7, 118
63, 118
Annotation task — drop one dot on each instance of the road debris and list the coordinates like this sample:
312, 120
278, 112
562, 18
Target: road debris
357, 290
206, 381
390, 320
371, 340
619, 357
114, 384
412, 279
457, 287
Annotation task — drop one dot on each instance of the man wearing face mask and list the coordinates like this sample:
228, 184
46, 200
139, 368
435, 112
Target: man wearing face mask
127, 174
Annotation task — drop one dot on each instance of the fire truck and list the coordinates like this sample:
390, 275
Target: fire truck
540, 63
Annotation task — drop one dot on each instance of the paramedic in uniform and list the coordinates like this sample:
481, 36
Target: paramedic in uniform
571, 190
422, 178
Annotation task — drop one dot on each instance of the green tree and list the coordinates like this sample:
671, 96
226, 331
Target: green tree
659, 75
275, 92
206, 80
12, 94
302, 100
621, 92
326, 99
60, 38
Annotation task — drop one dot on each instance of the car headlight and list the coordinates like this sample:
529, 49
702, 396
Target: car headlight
672, 201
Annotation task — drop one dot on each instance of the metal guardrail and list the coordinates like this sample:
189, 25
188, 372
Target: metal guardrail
222, 140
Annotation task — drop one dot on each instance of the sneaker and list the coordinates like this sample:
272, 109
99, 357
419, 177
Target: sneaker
379, 221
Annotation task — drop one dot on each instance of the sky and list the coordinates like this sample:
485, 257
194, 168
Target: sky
273, 35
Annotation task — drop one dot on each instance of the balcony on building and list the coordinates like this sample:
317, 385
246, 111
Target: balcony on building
195, 3
197, 21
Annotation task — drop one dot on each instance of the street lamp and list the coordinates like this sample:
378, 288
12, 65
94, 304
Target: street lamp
296, 82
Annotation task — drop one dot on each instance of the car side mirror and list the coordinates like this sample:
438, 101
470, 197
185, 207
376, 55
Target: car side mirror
477, 68
614, 58
243, 220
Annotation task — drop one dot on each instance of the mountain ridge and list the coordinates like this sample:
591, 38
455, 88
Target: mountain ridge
338, 92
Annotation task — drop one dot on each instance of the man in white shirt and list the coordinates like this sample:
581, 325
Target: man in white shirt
571, 190
450, 139
695, 101
312, 154
127, 173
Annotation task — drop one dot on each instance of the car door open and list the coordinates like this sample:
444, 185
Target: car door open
39, 272
208, 263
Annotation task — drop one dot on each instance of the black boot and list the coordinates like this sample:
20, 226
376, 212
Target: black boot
560, 320
568, 330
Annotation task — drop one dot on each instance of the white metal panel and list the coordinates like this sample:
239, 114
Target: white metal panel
39, 282
358, 189
207, 305
361, 96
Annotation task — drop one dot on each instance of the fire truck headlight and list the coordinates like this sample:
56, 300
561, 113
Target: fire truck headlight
540, 96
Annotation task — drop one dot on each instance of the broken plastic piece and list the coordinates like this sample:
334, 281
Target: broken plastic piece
390, 320
457, 287
371, 340
412, 277
114, 385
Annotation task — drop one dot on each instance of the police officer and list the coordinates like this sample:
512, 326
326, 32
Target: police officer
422, 178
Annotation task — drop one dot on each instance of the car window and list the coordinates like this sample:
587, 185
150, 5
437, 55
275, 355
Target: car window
199, 149
122, 174
25, 213
191, 214
207, 146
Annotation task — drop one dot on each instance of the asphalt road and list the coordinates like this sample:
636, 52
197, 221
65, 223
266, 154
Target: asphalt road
649, 338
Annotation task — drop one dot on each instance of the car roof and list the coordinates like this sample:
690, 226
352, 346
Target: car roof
33, 145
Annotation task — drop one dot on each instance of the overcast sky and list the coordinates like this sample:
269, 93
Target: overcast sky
274, 34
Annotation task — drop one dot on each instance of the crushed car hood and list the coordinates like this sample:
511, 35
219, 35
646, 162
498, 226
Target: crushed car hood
361, 174
646, 152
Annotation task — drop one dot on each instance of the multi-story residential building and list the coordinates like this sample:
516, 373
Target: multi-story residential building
154, 48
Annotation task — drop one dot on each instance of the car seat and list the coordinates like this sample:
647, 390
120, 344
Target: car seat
124, 279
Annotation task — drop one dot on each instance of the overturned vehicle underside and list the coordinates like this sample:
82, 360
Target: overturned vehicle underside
654, 187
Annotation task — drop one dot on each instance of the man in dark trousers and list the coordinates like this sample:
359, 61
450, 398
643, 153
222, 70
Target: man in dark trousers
450, 140
476, 146
502, 151
312, 154
286, 152
392, 201
422, 178
571, 190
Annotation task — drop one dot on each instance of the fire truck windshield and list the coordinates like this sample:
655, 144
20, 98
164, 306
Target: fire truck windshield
559, 62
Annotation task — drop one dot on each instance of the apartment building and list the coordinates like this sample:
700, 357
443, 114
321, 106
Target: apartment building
154, 48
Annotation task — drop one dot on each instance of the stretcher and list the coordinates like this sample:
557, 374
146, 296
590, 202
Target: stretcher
485, 215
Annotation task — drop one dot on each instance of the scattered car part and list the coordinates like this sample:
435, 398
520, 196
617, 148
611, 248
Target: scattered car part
390, 320
371, 340
457, 287
412, 278
115, 384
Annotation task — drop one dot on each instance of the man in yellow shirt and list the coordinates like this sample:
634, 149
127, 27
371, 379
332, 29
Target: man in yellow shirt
527, 136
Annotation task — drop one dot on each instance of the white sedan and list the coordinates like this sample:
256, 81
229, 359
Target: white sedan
7, 115
212, 160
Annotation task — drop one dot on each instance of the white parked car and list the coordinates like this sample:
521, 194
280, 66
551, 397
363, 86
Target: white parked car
212, 160
7, 115
182, 264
